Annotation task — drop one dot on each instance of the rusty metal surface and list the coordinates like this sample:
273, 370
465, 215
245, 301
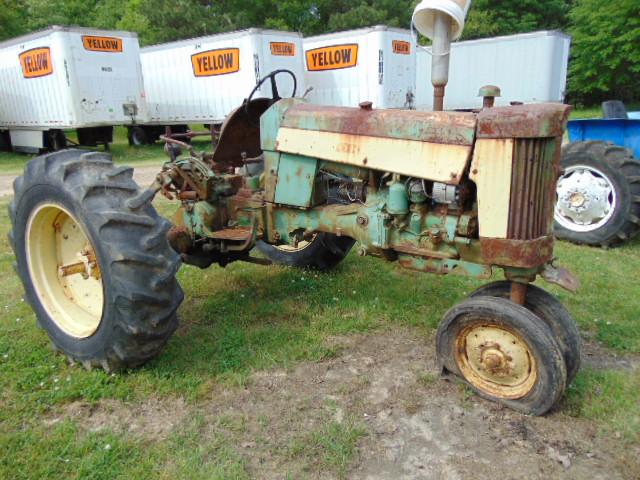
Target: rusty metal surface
523, 121
561, 276
518, 292
533, 177
437, 127
238, 234
516, 253
240, 134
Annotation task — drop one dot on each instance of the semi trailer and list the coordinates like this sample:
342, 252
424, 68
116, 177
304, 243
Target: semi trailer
68, 79
201, 80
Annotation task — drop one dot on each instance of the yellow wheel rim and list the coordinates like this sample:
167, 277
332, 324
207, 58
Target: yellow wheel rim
496, 360
64, 270
301, 245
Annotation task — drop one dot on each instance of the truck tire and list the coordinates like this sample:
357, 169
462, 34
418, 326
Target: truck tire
504, 352
598, 195
5, 141
94, 259
323, 252
137, 136
552, 312
56, 140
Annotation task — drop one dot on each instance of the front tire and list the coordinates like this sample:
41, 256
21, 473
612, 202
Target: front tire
598, 196
504, 352
552, 312
94, 259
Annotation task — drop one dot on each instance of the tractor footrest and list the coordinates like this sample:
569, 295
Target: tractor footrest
238, 234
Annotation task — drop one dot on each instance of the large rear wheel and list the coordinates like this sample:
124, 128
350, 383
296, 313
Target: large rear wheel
323, 252
94, 259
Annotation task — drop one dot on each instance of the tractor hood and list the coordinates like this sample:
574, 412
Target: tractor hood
432, 145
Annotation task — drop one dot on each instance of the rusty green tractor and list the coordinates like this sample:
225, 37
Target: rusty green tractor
436, 192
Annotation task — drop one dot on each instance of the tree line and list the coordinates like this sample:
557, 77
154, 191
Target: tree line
605, 55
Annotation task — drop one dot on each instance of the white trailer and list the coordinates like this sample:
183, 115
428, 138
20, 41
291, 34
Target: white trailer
65, 78
375, 64
529, 68
201, 80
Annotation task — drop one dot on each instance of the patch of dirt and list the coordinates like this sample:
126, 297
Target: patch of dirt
142, 175
152, 419
417, 426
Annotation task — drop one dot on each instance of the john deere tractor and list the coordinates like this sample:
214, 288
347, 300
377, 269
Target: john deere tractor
436, 192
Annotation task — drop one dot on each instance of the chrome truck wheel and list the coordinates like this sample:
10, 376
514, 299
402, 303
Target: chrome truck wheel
504, 352
586, 199
598, 199
94, 260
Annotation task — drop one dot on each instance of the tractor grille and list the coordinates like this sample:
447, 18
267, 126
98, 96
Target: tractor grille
533, 184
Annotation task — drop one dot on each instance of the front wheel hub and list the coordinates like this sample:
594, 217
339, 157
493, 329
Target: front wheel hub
496, 360
586, 199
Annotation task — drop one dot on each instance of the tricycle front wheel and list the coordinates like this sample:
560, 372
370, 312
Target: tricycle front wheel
504, 352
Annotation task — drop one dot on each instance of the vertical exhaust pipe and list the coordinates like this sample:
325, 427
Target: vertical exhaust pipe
442, 21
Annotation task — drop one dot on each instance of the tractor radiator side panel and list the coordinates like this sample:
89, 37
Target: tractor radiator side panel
433, 161
491, 171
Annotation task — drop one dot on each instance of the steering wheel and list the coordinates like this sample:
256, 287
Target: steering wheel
275, 95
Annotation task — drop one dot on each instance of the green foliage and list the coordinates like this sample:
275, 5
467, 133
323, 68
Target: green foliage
606, 50
505, 17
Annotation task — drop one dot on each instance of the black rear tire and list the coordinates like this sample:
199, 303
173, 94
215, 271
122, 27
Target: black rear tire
538, 392
138, 267
622, 171
324, 252
552, 312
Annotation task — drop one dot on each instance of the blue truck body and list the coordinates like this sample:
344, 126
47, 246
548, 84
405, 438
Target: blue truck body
622, 132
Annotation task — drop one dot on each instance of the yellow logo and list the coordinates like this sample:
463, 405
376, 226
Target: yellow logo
216, 62
283, 49
335, 57
102, 44
401, 47
36, 62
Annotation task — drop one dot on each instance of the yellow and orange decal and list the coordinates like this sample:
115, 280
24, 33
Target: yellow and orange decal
216, 62
335, 57
102, 44
36, 62
283, 49
401, 47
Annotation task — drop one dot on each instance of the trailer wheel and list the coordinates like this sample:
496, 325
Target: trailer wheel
137, 136
94, 259
56, 140
5, 141
505, 353
552, 312
323, 252
598, 196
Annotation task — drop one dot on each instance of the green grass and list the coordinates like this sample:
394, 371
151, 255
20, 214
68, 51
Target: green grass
609, 397
331, 447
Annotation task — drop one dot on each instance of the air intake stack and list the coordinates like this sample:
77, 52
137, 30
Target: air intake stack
441, 21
